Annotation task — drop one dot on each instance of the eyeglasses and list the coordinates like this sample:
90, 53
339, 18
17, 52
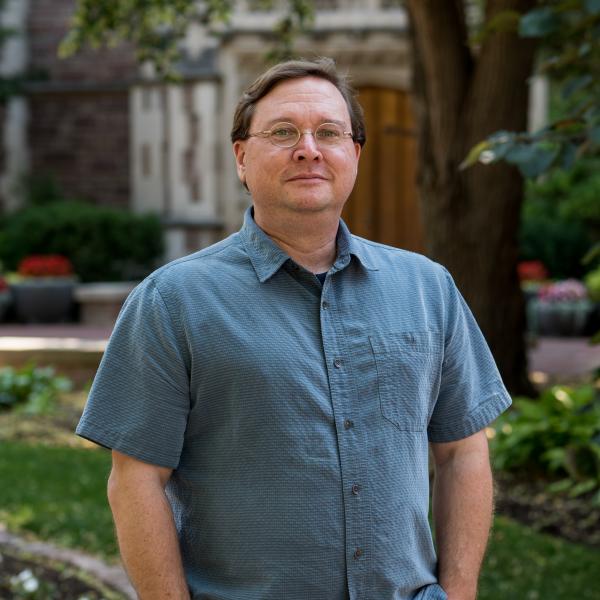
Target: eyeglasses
287, 135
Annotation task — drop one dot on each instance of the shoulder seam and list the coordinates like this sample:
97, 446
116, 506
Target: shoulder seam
200, 254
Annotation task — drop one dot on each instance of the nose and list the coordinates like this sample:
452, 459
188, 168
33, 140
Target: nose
307, 148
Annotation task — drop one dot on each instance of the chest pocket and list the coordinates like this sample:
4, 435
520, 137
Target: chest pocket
408, 374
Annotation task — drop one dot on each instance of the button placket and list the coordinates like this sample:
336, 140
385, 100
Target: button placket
339, 368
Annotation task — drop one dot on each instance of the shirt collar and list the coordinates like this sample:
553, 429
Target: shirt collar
267, 257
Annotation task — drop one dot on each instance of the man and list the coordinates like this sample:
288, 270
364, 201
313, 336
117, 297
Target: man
270, 400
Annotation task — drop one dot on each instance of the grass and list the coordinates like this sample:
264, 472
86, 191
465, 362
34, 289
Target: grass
58, 494
56, 490
525, 565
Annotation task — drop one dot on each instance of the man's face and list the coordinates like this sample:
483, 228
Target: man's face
307, 177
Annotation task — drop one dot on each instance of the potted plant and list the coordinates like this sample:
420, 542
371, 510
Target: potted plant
561, 308
43, 288
5, 298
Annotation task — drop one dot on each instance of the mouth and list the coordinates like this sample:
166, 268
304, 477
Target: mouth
308, 177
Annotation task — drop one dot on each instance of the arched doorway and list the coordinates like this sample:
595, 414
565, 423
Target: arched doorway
383, 205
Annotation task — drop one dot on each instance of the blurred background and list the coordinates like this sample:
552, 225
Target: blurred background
483, 152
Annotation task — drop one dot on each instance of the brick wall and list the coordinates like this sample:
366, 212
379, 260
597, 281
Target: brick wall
79, 110
48, 22
83, 140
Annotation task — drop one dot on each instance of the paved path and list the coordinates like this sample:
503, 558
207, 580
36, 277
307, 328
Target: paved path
556, 358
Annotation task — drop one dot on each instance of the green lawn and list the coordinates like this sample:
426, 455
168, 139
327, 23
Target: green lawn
58, 494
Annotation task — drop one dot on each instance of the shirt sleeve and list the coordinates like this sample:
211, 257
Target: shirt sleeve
139, 401
471, 393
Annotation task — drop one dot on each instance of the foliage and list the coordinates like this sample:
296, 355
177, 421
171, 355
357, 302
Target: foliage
559, 244
31, 389
156, 26
592, 281
568, 31
557, 435
523, 564
104, 244
561, 219
58, 494
574, 194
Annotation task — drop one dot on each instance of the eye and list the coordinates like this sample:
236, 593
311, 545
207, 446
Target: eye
284, 132
328, 132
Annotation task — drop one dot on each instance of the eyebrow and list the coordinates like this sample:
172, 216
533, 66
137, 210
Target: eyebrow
290, 120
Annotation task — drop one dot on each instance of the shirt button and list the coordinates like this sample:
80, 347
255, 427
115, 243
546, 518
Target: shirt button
348, 423
358, 553
355, 489
337, 363
325, 305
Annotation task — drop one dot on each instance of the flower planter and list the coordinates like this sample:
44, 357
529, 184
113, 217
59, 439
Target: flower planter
559, 319
42, 300
100, 303
5, 301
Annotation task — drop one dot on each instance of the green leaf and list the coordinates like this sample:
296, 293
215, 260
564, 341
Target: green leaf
568, 154
592, 6
474, 154
594, 135
538, 23
583, 487
560, 486
574, 84
532, 159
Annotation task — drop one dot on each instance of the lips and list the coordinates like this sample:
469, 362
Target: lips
307, 176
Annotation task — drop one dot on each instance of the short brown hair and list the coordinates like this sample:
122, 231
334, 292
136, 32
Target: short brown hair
295, 69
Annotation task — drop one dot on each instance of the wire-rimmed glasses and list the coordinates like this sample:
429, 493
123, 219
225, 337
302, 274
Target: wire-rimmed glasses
287, 135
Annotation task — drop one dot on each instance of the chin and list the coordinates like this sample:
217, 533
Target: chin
311, 204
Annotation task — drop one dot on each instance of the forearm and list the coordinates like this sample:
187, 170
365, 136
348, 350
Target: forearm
462, 510
148, 541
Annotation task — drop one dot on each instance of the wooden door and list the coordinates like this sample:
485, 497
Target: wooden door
383, 205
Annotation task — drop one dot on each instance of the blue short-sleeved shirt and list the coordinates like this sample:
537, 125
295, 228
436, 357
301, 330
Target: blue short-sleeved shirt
296, 416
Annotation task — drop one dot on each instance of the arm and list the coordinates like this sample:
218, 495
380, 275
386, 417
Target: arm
145, 528
462, 512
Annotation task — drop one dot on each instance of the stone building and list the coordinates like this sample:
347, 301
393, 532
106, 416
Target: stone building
111, 134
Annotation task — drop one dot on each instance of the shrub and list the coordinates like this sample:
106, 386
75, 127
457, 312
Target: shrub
555, 436
31, 389
561, 218
592, 281
104, 244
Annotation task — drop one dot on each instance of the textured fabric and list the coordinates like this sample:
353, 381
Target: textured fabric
296, 416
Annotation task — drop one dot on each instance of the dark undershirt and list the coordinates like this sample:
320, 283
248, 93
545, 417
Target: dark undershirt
321, 277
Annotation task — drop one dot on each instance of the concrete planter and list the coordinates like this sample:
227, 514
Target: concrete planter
100, 303
559, 319
43, 300
5, 301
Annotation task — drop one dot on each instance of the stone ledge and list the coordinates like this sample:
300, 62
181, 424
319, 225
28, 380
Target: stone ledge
111, 575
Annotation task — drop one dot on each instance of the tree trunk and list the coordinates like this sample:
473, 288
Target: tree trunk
472, 217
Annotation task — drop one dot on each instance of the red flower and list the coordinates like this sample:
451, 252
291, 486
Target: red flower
50, 265
532, 270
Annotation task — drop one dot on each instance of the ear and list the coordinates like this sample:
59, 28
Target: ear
239, 150
357, 149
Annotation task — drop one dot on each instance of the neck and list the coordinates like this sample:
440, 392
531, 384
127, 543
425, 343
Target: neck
308, 240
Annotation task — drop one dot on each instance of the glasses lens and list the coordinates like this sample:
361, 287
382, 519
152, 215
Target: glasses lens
329, 133
284, 134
